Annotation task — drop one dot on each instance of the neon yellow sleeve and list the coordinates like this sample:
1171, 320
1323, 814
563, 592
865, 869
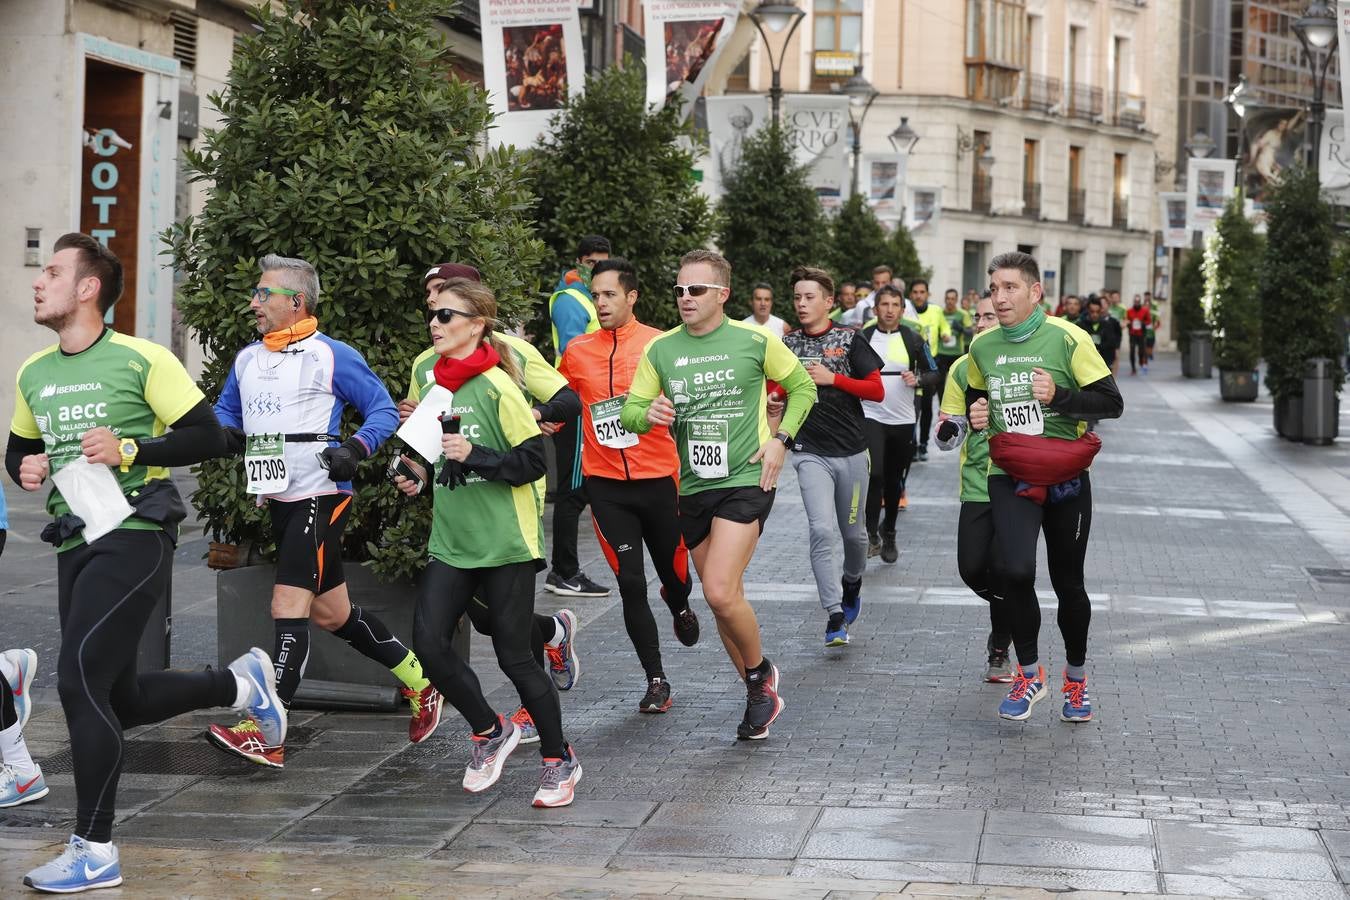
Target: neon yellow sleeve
23, 424
954, 393
517, 421
974, 377
645, 388
541, 380
783, 366
1086, 362
169, 390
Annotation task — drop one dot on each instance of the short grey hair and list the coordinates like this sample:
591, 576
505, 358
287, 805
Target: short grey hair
296, 275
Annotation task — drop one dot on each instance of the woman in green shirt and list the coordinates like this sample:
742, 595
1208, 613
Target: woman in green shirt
487, 541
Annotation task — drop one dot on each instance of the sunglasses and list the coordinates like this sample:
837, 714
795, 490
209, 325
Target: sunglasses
446, 314
263, 294
695, 290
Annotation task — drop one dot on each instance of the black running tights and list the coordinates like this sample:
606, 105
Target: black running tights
1017, 522
626, 515
507, 594
975, 561
107, 591
890, 449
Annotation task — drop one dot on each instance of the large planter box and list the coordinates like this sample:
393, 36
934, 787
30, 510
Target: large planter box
1238, 386
244, 620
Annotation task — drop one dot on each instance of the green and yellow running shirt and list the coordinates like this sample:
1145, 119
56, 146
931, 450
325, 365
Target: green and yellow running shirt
129, 385
975, 449
716, 382
959, 322
1003, 369
542, 381
488, 523
934, 328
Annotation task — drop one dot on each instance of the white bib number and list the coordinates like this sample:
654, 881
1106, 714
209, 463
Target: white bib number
708, 449
265, 464
1024, 417
605, 423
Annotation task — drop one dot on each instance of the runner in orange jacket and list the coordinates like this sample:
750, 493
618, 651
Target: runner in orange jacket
631, 480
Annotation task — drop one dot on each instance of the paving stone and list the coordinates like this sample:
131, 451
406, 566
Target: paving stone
1243, 850
881, 834
1066, 879
1264, 888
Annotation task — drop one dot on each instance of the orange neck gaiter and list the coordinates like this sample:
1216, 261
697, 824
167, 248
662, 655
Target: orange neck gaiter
280, 340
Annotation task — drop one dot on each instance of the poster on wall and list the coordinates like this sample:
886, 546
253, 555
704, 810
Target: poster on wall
884, 182
1209, 184
1343, 20
532, 62
1172, 212
1335, 163
923, 207
819, 129
731, 119
684, 38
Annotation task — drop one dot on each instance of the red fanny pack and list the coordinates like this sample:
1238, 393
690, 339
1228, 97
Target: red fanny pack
1040, 462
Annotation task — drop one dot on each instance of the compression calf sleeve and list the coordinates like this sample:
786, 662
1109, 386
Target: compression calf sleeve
290, 653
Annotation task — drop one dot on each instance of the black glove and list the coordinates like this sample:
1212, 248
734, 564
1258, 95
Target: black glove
946, 431
235, 441
452, 473
341, 461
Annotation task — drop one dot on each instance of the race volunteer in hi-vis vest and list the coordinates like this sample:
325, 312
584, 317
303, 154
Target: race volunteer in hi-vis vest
283, 400
1042, 379
572, 313
104, 415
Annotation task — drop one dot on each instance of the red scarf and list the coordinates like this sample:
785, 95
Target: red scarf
452, 373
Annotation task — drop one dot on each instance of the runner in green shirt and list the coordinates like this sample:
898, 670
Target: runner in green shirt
975, 528
706, 380
1041, 376
962, 325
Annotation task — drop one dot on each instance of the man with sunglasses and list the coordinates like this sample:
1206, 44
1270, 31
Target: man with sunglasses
705, 380
283, 403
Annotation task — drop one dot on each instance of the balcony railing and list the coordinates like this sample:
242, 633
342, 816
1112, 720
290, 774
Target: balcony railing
1129, 110
1085, 102
1031, 200
1120, 213
1077, 205
982, 193
1040, 92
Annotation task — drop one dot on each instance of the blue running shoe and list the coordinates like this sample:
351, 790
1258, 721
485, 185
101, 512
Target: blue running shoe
852, 600
563, 664
1023, 696
82, 866
16, 789
25, 664
1077, 703
836, 631
262, 702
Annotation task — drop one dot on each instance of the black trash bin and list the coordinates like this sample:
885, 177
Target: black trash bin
1200, 355
1320, 413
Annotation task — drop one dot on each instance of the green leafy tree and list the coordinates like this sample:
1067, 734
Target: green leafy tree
610, 166
858, 241
1299, 302
345, 143
1232, 268
904, 256
771, 220
1188, 309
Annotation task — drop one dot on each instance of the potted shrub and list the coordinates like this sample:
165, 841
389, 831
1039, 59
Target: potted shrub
1232, 267
345, 140
1300, 302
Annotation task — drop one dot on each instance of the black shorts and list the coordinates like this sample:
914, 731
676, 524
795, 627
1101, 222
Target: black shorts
735, 504
309, 541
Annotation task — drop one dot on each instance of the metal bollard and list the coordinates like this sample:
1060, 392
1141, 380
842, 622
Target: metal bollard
1320, 413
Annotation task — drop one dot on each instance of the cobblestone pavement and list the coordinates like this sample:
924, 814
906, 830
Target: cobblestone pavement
1216, 765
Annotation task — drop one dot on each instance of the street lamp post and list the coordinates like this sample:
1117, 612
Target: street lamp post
776, 17
903, 138
1316, 31
1237, 102
860, 94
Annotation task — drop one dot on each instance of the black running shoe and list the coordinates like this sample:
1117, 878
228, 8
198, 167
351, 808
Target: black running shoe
998, 669
686, 624
888, 552
873, 545
922, 455
762, 704
851, 600
657, 698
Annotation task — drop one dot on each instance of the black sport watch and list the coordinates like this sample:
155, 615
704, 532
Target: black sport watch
787, 439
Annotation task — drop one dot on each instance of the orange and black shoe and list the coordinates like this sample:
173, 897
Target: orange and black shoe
657, 699
246, 740
426, 712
